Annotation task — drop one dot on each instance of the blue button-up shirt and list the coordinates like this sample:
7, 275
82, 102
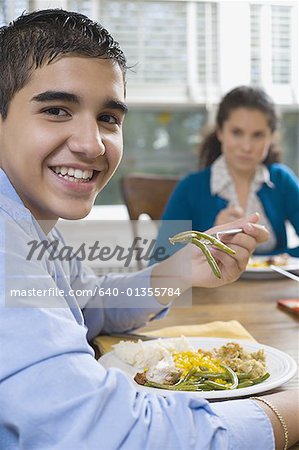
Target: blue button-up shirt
55, 396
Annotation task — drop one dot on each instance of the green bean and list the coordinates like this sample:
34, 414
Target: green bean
232, 375
245, 383
188, 375
195, 373
209, 375
216, 386
261, 379
190, 387
205, 381
159, 385
252, 382
196, 238
210, 258
186, 236
181, 387
242, 376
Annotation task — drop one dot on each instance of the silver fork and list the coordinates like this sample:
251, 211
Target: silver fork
221, 233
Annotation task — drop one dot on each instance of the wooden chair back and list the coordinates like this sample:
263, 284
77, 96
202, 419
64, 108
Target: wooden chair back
147, 194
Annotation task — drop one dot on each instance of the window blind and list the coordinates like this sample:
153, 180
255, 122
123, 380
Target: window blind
255, 43
207, 42
281, 44
154, 36
9, 9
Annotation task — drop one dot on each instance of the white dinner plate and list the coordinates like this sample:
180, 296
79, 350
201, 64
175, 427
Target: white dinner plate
266, 272
279, 364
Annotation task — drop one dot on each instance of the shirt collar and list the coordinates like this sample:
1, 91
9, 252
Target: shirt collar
262, 176
221, 178
11, 203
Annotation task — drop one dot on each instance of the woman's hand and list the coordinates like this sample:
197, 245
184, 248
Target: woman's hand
229, 214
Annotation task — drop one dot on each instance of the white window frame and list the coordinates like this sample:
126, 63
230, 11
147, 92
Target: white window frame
234, 56
283, 94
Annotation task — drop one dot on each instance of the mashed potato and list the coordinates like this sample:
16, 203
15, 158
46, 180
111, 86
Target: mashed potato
143, 355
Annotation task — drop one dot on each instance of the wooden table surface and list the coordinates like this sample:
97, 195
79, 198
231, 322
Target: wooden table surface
253, 304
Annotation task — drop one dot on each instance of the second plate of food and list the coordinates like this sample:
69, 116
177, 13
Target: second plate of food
259, 266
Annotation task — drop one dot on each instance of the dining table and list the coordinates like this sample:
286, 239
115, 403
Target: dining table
252, 302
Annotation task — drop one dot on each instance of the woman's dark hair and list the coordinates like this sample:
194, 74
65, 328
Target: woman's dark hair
38, 38
241, 97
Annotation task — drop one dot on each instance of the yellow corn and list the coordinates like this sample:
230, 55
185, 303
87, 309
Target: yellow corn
203, 361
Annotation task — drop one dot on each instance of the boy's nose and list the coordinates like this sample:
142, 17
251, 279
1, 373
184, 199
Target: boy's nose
87, 140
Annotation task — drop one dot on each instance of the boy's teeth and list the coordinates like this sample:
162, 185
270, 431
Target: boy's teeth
63, 170
76, 173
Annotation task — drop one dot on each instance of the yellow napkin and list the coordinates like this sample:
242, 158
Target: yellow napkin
231, 329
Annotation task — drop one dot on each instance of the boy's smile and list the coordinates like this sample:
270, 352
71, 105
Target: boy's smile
62, 138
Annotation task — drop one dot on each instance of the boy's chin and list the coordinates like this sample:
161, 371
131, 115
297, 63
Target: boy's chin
75, 215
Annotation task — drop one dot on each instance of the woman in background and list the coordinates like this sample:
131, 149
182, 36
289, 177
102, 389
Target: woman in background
241, 173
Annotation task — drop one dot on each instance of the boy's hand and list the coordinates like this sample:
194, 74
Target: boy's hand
231, 266
188, 267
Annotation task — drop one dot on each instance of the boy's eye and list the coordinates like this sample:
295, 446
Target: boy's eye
108, 118
56, 112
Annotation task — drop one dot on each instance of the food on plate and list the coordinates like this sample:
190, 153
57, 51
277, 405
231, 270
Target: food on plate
202, 240
174, 364
276, 260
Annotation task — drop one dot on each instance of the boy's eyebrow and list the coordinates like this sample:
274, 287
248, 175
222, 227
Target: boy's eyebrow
116, 104
48, 96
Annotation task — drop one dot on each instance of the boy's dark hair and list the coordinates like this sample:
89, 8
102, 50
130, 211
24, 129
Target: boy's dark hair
241, 97
37, 38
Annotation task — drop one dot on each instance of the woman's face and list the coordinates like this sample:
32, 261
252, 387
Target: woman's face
245, 140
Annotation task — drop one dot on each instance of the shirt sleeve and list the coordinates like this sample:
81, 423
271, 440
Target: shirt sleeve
64, 399
119, 302
248, 425
56, 396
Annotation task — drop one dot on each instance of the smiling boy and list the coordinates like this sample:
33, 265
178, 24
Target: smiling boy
62, 109
71, 134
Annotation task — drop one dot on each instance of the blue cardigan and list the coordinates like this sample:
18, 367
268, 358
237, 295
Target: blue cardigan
192, 200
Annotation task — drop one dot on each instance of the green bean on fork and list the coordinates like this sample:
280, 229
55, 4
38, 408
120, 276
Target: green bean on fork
201, 240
